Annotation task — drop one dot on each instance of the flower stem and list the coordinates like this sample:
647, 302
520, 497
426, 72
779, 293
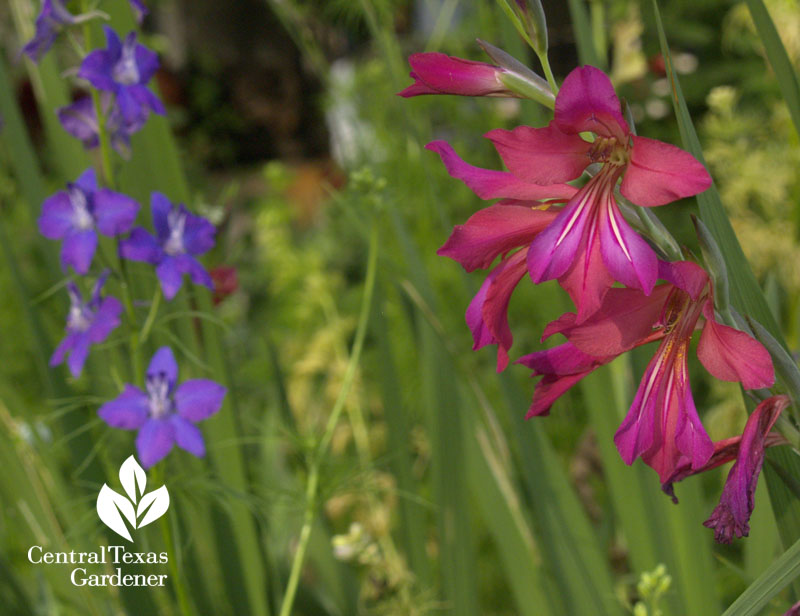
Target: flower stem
166, 533
151, 315
548, 72
318, 454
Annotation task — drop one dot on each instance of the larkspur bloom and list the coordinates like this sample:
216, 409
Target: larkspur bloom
437, 73
79, 119
589, 244
730, 518
75, 216
53, 17
166, 413
87, 323
180, 237
124, 68
662, 426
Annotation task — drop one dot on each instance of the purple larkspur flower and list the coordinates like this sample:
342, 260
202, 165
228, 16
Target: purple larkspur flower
124, 67
80, 120
76, 214
52, 18
165, 414
180, 237
87, 323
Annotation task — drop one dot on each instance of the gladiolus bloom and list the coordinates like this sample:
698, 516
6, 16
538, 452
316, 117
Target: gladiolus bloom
662, 426
736, 504
590, 245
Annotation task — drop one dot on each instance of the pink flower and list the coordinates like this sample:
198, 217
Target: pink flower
662, 426
590, 244
497, 231
437, 73
736, 504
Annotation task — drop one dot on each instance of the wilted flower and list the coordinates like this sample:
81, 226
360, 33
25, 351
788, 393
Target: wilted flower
52, 18
74, 214
124, 68
80, 120
87, 323
736, 504
165, 414
662, 425
180, 237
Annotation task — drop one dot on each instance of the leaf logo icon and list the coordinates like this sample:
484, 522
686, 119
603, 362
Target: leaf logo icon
138, 509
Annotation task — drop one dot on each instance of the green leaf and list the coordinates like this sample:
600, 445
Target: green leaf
779, 575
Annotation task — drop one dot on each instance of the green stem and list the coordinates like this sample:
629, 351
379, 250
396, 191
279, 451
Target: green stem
166, 532
318, 454
151, 315
548, 72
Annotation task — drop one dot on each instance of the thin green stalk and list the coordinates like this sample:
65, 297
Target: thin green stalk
166, 532
318, 454
151, 315
548, 72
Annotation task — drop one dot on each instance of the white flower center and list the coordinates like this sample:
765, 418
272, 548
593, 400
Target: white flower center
159, 402
126, 71
81, 217
177, 223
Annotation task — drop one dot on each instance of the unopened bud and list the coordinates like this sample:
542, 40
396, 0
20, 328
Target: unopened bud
532, 15
716, 265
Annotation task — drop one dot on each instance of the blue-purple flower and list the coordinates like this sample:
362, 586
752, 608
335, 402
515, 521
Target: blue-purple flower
180, 237
124, 67
165, 414
80, 120
52, 18
139, 10
87, 323
76, 214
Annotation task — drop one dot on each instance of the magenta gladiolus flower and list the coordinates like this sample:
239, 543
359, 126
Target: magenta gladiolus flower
167, 413
736, 504
437, 73
662, 426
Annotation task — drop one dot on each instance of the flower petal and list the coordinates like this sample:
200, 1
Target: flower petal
685, 275
170, 276
96, 69
56, 219
127, 411
141, 246
199, 399
561, 367
487, 314
198, 234
732, 515
587, 102
146, 62
160, 206
732, 355
63, 348
587, 280
87, 181
163, 362
114, 212
660, 173
78, 250
493, 231
106, 319
624, 320
155, 440
80, 120
78, 354
541, 155
188, 436
629, 259
490, 184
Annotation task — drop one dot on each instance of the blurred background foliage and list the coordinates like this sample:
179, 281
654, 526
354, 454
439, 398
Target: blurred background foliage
435, 497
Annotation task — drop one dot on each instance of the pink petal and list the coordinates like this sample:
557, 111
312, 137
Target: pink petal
629, 259
588, 280
636, 434
732, 355
490, 184
541, 155
624, 320
660, 173
494, 231
685, 275
587, 102
487, 315
561, 367
437, 73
